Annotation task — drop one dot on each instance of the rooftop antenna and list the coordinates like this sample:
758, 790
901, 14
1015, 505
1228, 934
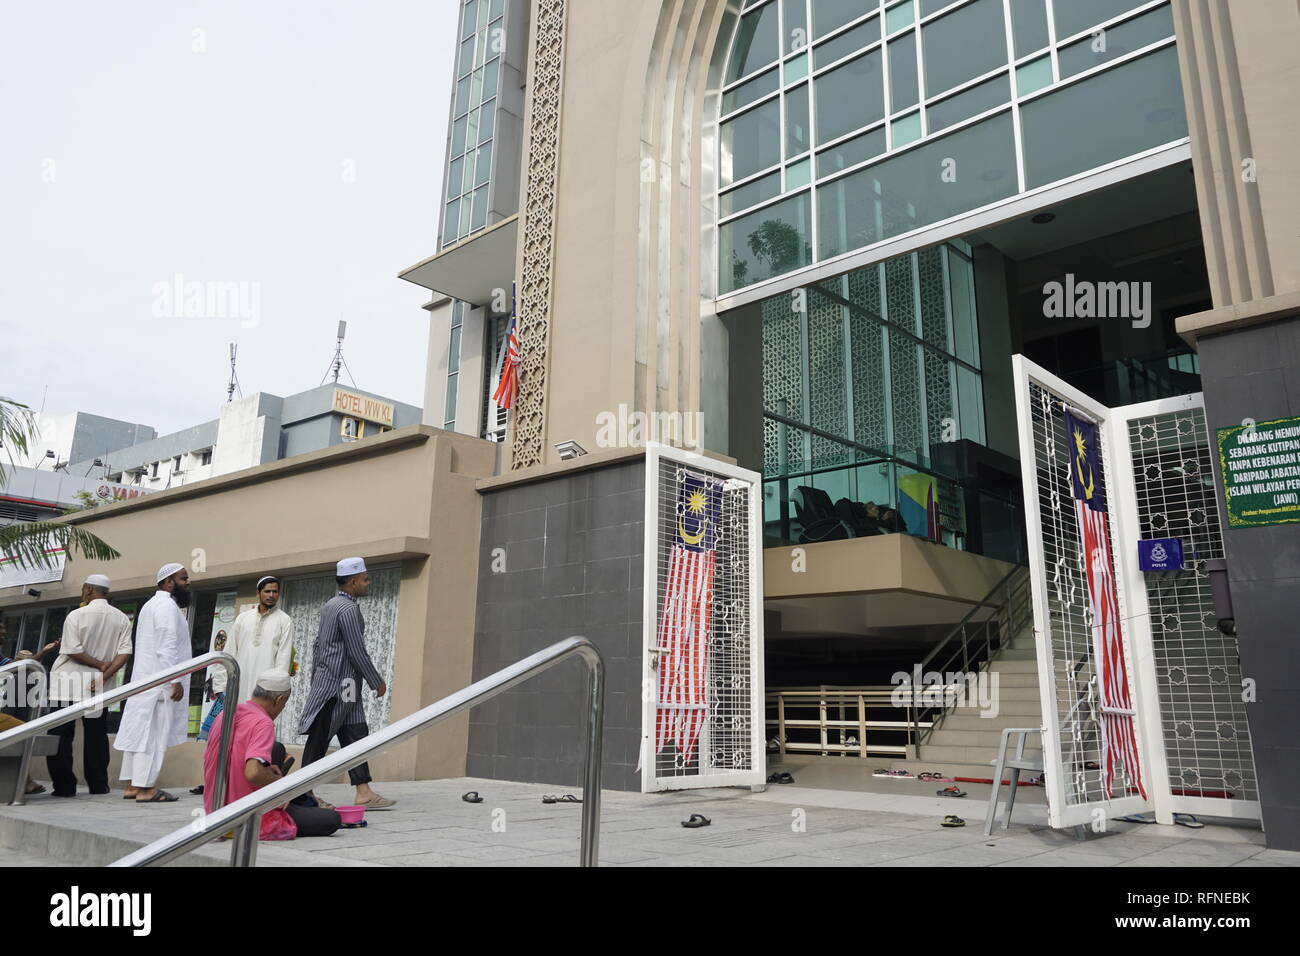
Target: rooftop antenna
233, 386
338, 363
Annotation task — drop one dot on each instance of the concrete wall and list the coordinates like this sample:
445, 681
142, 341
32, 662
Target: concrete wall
406, 496
571, 546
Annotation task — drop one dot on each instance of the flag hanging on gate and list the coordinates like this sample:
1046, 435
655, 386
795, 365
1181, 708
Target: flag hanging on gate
508, 387
1118, 736
686, 614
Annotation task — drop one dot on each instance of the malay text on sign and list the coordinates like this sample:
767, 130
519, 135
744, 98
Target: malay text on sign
1261, 472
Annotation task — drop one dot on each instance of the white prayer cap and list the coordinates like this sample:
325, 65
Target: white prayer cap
167, 570
261, 582
350, 566
276, 679
98, 581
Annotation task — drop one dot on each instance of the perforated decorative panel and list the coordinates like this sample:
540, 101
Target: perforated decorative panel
782, 382
1198, 668
827, 388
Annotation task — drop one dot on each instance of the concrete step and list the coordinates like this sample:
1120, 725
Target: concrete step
977, 771
983, 756
1004, 666
990, 738
1016, 679
969, 722
1029, 653
1008, 694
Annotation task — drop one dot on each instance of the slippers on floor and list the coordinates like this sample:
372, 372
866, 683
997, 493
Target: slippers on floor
38, 788
1187, 820
950, 792
696, 821
1138, 818
564, 798
952, 820
471, 797
162, 796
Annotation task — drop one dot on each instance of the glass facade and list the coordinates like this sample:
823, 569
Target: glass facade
474, 111
849, 122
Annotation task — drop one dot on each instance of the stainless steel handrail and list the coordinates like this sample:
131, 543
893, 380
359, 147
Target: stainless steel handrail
248, 810
24, 762
71, 712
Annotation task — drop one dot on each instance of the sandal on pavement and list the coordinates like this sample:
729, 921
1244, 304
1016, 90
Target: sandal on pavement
950, 792
471, 797
162, 796
953, 821
36, 788
1187, 820
1138, 818
377, 803
696, 821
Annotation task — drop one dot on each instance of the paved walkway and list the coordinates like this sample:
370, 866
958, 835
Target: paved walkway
785, 826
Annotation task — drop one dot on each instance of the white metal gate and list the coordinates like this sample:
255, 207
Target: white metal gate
1193, 740
702, 652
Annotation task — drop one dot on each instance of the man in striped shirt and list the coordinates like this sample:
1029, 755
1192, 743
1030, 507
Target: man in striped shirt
339, 664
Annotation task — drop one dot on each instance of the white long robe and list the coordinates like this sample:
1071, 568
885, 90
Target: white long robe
259, 642
152, 722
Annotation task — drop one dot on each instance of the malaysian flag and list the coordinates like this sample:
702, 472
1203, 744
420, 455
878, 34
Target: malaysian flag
508, 387
1118, 737
687, 615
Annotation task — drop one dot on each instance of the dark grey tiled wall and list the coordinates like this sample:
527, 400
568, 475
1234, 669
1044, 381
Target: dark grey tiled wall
573, 566
1255, 373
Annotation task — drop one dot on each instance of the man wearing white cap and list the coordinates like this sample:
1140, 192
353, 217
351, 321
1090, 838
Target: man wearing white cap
339, 662
96, 644
156, 719
261, 639
256, 760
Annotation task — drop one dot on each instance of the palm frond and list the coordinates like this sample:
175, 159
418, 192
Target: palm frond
39, 544
17, 428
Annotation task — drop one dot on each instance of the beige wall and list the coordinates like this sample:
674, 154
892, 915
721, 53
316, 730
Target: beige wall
407, 495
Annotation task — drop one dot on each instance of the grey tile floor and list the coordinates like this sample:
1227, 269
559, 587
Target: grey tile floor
784, 826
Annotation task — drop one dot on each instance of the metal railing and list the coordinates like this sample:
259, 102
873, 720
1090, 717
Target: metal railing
831, 707
1007, 601
246, 813
72, 711
25, 761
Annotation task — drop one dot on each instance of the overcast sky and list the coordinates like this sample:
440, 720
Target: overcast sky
293, 147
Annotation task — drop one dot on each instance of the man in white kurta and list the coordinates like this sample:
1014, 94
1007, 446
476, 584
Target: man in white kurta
261, 640
156, 719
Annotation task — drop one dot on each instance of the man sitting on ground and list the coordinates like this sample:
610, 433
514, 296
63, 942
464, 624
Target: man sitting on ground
256, 760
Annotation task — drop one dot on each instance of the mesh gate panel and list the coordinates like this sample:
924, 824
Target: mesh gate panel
725, 738
1198, 670
1075, 695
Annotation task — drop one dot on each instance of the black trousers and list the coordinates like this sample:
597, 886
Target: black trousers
94, 753
318, 741
311, 821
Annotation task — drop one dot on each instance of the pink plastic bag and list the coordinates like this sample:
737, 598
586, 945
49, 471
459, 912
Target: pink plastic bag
278, 825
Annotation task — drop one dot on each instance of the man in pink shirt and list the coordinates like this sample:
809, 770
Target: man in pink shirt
256, 760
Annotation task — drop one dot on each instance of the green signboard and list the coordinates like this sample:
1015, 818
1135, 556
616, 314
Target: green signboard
1261, 472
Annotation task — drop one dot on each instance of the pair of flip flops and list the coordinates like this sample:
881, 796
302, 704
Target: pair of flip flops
696, 821
162, 796
783, 777
1182, 819
471, 797
952, 820
934, 777
950, 792
563, 798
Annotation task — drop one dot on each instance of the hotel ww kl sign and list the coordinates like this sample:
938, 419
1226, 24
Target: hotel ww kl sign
1261, 472
362, 406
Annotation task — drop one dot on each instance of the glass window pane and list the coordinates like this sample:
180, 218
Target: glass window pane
766, 243
497, 7
451, 221
751, 194
851, 41
829, 14
906, 129
798, 175
961, 286
490, 74
1034, 75
465, 210
930, 6
483, 166
796, 25
797, 134
796, 68
458, 136
902, 73
751, 141
451, 401
469, 19
466, 57
1118, 40
476, 88
899, 194
1129, 109
748, 92
970, 102
462, 95
480, 209
963, 44
487, 120
453, 351
850, 97
467, 180
970, 404
1028, 25
756, 43
1071, 18
455, 171
899, 16
851, 152
471, 130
